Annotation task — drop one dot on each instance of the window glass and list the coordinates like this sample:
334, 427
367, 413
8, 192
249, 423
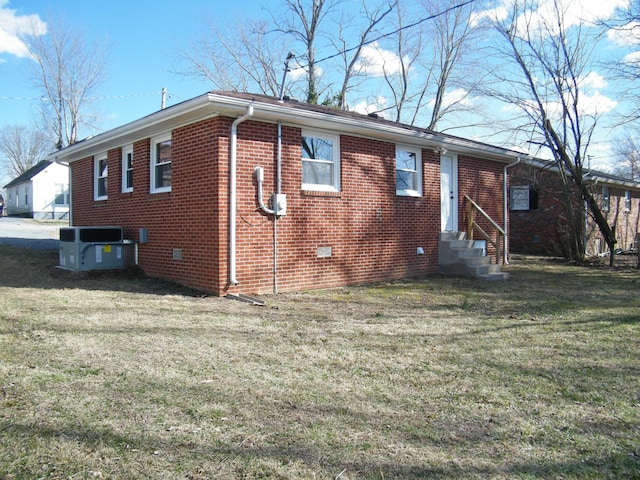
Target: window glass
161, 165
102, 173
127, 170
408, 168
320, 162
62, 194
627, 201
605, 199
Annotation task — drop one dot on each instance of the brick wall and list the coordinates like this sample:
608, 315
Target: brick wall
625, 222
543, 230
372, 234
482, 182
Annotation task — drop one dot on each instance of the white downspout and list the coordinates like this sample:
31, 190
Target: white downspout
233, 151
506, 212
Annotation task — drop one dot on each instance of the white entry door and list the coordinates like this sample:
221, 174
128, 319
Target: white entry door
449, 193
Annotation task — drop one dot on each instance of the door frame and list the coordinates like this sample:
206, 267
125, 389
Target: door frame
449, 192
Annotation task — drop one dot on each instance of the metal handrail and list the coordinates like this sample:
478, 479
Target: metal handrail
472, 225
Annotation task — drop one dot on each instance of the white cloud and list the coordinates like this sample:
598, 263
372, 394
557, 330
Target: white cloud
596, 104
376, 61
575, 12
365, 107
593, 80
12, 26
632, 58
459, 96
627, 35
299, 72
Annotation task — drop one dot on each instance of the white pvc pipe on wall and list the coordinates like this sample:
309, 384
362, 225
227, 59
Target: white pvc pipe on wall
233, 153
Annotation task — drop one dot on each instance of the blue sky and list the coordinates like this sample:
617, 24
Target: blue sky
144, 38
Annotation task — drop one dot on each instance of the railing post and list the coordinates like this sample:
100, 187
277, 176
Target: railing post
469, 219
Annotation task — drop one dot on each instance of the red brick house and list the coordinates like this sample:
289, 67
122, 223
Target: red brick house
358, 197
538, 215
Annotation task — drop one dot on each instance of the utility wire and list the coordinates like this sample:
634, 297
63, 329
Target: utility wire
107, 97
398, 30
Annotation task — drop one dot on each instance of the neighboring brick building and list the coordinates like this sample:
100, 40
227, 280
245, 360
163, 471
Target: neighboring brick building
362, 194
539, 222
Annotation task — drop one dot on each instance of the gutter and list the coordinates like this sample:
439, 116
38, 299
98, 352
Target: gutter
296, 114
506, 212
233, 152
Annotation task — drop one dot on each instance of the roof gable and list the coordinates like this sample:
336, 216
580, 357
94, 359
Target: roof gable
29, 174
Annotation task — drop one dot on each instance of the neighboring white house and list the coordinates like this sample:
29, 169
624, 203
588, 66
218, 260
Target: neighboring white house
41, 192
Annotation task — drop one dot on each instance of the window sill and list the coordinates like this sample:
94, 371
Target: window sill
320, 193
159, 195
406, 194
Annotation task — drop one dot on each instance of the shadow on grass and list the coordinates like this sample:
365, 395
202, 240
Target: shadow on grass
28, 268
145, 454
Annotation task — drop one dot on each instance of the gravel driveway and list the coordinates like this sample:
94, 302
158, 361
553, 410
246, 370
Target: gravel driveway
29, 233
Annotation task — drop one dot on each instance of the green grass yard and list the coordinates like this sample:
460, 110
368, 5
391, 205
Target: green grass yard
117, 377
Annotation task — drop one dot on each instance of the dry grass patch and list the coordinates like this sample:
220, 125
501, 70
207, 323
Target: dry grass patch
116, 376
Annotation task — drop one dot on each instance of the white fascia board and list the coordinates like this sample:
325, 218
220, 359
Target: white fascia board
184, 113
300, 117
212, 104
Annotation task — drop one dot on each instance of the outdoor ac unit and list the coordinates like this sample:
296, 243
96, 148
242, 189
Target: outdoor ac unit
95, 248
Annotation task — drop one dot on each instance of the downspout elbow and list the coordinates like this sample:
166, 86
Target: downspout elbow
233, 152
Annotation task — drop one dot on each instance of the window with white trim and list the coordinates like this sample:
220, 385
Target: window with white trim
127, 169
320, 161
408, 171
101, 173
62, 194
605, 199
627, 201
161, 164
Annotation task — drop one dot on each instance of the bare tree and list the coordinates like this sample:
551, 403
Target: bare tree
627, 150
21, 148
453, 34
552, 59
351, 56
407, 49
303, 21
244, 60
431, 61
624, 29
68, 70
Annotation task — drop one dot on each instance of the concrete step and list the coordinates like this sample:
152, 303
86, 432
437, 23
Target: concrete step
447, 236
460, 243
470, 252
458, 257
480, 270
494, 277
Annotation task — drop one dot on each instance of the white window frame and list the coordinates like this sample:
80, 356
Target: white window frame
627, 201
606, 199
335, 180
155, 141
97, 177
127, 152
417, 172
62, 192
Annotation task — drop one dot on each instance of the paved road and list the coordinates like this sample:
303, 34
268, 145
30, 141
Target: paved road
29, 233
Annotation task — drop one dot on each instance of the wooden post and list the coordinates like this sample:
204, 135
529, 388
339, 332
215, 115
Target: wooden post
470, 220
